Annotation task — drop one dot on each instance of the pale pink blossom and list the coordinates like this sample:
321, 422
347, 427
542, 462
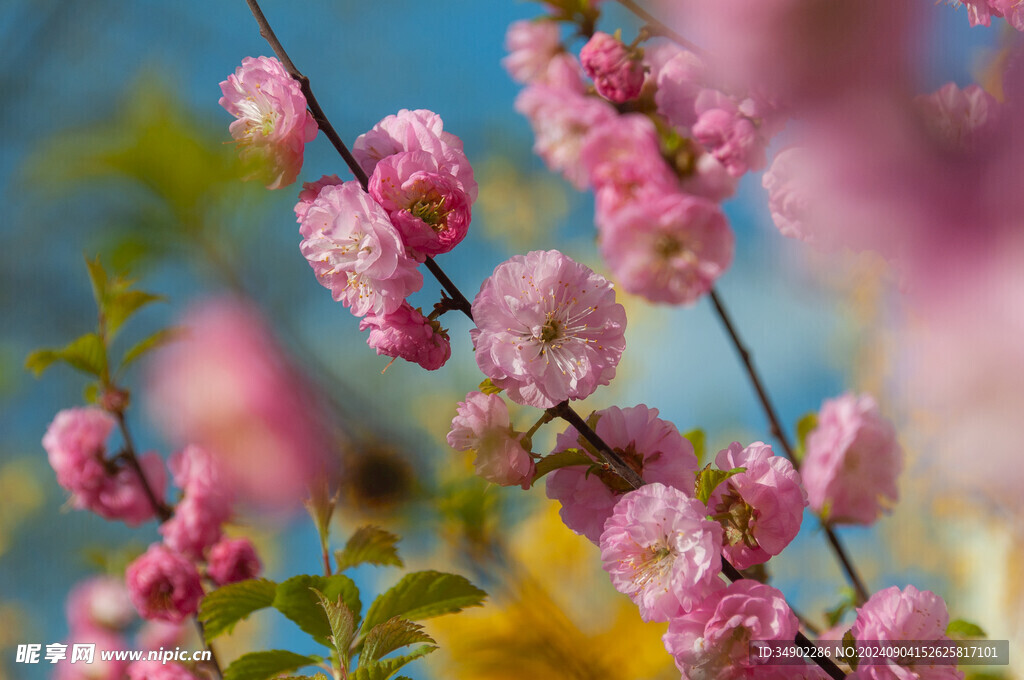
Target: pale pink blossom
157, 634
733, 131
561, 119
650, 446
482, 424
669, 248
418, 130
425, 203
232, 560
892, 615
564, 73
680, 75
760, 509
406, 333
547, 329
164, 585
310, 190
196, 523
356, 252
156, 670
957, 118
193, 528
122, 495
273, 125
75, 444
531, 45
661, 551
787, 196
618, 73
713, 640
99, 602
100, 668
852, 461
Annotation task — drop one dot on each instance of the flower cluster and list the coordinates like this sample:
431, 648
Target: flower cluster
980, 12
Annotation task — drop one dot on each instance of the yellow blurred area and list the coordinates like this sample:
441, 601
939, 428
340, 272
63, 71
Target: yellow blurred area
517, 208
23, 495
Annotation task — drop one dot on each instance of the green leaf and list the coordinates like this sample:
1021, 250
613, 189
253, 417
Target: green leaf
708, 480
342, 623
961, 629
118, 308
223, 608
422, 595
371, 545
488, 387
264, 665
851, 642
699, 441
161, 337
804, 426
320, 506
98, 278
296, 600
318, 676
86, 353
560, 459
393, 634
384, 669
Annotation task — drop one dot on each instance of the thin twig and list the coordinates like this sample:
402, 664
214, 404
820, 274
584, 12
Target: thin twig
657, 27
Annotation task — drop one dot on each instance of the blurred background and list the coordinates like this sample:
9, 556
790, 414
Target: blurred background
113, 144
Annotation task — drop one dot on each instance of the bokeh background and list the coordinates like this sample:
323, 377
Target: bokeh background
113, 144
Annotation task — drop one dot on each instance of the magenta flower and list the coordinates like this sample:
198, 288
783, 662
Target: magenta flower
852, 461
356, 252
156, 670
547, 329
661, 551
618, 73
713, 640
427, 206
233, 560
273, 125
761, 509
531, 46
652, 447
482, 424
669, 248
75, 444
418, 130
406, 333
309, 193
164, 585
99, 602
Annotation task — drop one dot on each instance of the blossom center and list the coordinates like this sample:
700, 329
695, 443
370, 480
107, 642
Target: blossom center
431, 210
551, 330
737, 519
651, 564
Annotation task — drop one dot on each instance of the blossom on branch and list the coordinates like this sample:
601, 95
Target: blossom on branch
232, 560
617, 71
482, 424
164, 585
406, 333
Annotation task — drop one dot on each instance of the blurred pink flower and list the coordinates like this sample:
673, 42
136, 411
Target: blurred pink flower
228, 388
196, 523
156, 670
232, 560
617, 72
531, 45
156, 634
652, 447
164, 585
852, 461
356, 252
547, 329
273, 125
787, 197
734, 132
956, 118
75, 444
406, 333
99, 602
309, 193
482, 424
661, 551
680, 75
100, 668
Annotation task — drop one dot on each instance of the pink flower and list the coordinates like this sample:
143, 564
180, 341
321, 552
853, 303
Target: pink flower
418, 130
561, 119
761, 509
99, 602
356, 252
482, 425
156, 670
531, 45
957, 118
100, 668
196, 523
713, 640
731, 131
426, 204
652, 447
680, 77
75, 445
980, 12
408, 334
617, 72
233, 560
787, 197
668, 248
547, 329
661, 551
852, 461
157, 634
164, 585
891, 615
273, 125
193, 528
122, 496
310, 190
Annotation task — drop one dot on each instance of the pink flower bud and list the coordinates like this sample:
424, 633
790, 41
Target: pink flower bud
618, 74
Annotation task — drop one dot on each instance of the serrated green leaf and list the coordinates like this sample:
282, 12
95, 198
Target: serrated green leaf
342, 623
393, 634
850, 642
560, 459
961, 629
223, 608
698, 440
161, 337
85, 353
264, 665
708, 480
488, 387
422, 595
296, 600
371, 545
385, 668
118, 308
804, 426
